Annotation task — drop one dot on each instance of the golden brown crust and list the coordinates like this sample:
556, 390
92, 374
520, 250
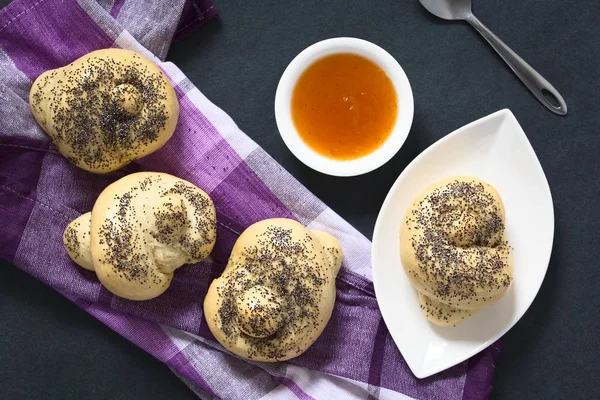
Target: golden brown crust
453, 249
277, 292
76, 240
142, 228
105, 109
146, 225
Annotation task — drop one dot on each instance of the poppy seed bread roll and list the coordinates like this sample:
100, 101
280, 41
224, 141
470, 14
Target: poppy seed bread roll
76, 240
453, 249
142, 228
277, 292
105, 109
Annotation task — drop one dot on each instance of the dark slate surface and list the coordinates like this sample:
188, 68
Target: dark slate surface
49, 348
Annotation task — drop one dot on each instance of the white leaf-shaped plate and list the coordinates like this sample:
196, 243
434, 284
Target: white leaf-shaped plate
496, 150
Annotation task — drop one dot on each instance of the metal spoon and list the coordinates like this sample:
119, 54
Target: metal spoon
540, 87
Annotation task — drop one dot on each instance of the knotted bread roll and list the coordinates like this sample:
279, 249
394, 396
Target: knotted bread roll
141, 229
277, 292
105, 109
453, 249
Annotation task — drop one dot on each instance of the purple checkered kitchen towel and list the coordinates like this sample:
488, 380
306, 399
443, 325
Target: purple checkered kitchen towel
40, 193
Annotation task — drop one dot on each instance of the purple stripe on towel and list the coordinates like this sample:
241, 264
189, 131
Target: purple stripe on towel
21, 158
294, 388
183, 366
478, 383
39, 41
114, 11
194, 151
345, 347
15, 213
377, 357
19, 173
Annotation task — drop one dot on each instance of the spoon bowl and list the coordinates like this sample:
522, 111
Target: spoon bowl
449, 10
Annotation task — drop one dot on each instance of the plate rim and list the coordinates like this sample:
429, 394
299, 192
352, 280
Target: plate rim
503, 113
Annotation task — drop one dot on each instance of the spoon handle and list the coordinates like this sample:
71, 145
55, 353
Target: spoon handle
530, 77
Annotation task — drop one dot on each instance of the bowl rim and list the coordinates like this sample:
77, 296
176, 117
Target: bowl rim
370, 161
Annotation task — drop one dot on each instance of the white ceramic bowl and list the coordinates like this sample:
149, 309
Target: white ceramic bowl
496, 150
310, 157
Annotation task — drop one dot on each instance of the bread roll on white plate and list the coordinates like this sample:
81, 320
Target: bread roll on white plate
453, 249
